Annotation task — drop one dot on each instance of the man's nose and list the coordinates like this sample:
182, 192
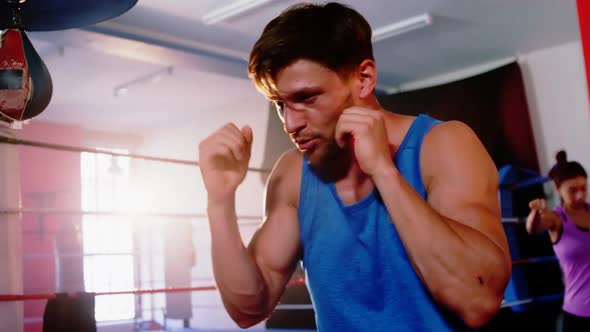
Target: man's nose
293, 120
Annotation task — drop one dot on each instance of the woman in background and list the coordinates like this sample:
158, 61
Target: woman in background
568, 227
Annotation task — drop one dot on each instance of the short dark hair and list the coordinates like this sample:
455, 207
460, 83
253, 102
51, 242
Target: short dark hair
334, 35
565, 170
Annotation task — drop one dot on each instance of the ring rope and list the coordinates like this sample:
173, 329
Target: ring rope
48, 296
116, 213
540, 259
544, 298
69, 148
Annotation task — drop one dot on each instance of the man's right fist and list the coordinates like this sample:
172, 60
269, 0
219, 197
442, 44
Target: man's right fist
223, 160
539, 204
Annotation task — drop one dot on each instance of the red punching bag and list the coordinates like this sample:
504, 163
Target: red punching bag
25, 83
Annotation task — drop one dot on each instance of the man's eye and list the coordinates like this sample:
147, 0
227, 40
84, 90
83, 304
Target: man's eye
305, 98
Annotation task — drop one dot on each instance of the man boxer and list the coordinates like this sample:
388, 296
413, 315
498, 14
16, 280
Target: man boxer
396, 218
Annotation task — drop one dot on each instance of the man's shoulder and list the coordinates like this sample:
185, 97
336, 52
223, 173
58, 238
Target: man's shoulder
285, 177
452, 146
445, 132
290, 162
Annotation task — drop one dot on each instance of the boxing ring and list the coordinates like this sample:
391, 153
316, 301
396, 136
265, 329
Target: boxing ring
153, 317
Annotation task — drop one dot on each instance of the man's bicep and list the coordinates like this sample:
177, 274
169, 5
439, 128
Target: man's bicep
463, 180
276, 246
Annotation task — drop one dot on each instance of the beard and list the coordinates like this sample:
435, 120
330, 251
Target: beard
331, 163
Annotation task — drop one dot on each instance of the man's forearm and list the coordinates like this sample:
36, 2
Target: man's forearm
454, 261
238, 278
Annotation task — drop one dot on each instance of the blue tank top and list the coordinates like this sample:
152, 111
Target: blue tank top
358, 272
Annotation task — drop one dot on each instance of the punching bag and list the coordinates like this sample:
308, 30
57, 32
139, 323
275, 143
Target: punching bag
67, 313
179, 259
69, 260
25, 84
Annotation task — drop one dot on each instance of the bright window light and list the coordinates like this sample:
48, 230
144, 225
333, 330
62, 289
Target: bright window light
108, 240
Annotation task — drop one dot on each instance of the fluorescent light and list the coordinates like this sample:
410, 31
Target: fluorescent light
232, 10
121, 91
400, 27
153, 78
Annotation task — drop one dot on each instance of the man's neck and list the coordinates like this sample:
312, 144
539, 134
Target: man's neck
355, 185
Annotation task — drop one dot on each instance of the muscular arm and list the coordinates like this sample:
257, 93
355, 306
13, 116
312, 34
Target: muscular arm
251, 280
455, 241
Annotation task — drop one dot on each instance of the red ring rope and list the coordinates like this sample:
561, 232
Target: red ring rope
48, 296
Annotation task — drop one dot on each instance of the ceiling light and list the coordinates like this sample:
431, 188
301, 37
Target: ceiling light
152, 78
232, 10
400, 27
121, 91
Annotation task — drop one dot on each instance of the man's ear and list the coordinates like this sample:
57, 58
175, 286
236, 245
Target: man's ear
367, 78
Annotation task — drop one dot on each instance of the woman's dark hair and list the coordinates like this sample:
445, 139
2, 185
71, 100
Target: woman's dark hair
565, 170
